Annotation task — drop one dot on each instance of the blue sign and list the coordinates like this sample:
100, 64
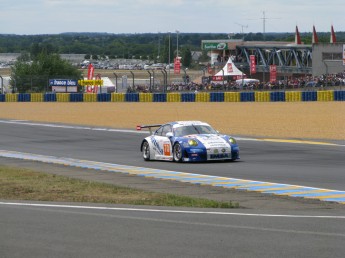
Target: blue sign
63, 82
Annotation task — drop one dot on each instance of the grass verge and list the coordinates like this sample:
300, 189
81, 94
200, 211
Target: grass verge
24, 184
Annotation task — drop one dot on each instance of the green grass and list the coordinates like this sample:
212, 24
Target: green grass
24, 184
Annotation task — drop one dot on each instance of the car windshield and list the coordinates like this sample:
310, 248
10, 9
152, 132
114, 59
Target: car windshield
194, 129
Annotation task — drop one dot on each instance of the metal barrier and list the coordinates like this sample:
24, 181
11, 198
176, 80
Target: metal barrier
24, 97
76, 97
132, 97
187, 97
50, 97
217, 96
104, 97
277, 96
293, 96
339, 95
258, 96
247, 96
309, 96
263, 96
117, 97
159, 97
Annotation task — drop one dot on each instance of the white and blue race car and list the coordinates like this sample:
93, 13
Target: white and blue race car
187, 141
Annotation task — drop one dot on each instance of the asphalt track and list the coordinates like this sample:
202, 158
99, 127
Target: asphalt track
42, 229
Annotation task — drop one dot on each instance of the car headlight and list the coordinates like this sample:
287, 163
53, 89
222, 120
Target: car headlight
232, 140
192, 142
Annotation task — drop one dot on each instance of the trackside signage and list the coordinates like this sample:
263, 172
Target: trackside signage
63, 82
215, 46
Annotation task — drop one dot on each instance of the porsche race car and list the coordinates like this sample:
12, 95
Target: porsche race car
187, 141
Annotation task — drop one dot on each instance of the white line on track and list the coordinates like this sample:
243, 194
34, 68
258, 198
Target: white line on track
167, 211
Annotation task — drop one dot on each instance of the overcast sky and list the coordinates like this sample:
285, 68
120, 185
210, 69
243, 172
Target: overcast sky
142, 16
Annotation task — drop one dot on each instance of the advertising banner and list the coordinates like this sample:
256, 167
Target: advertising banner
217, 78
344, 54
273, 73
215, 46
229, 68
177, 66
252, 64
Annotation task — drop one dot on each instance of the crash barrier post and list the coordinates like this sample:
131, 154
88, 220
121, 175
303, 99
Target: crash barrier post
132, 97
2, 98
325, 95
262, 96
174, 97
24, 97
36, 97
90, 97
159, 97
76, 97
62, 97
339, 95
309, 96
103, 97
247, 96
117, 97
187, 97
145, 97
202, 97
277, 96
293, 96
217, 96
11, 97
232, 97
50, 97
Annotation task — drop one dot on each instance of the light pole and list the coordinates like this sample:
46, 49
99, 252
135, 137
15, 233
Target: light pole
169, 55
177, 32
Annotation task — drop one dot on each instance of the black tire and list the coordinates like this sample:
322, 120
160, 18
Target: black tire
146, 151
177, 152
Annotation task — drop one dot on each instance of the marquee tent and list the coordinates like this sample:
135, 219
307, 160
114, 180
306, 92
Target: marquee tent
230, 70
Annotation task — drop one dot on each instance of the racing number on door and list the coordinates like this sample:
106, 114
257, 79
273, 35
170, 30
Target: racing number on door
166, 149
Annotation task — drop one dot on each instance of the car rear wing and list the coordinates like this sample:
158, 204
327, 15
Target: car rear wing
139, 127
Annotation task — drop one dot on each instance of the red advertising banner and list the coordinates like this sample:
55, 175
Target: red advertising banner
90, 72
273, 73
177, 66
217, 78
252, 64
229, 68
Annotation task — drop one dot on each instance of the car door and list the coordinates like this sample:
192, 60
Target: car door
163, 143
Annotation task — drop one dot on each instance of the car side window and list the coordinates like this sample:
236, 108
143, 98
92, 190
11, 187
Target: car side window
159, 131
166, 129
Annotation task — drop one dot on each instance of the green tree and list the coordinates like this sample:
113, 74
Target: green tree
186, 57
33, 76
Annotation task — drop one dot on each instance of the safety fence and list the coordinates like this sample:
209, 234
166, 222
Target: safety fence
263, 96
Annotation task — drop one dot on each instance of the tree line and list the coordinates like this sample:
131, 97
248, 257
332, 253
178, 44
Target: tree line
153, 46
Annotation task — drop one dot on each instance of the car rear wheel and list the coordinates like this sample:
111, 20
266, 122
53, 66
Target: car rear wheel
177, 152
146, 151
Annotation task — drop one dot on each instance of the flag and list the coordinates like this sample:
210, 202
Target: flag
333, 38
297, 37
315, 39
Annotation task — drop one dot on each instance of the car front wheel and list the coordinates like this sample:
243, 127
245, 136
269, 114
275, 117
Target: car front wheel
177, 152
146, 151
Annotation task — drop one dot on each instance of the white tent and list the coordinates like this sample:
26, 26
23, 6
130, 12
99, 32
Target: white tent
230, 70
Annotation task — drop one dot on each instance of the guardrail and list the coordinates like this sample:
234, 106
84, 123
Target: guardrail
262, 96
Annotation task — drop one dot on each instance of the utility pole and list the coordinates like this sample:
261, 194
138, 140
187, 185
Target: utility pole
242, 26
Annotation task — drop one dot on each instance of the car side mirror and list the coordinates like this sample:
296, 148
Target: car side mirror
169, 134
